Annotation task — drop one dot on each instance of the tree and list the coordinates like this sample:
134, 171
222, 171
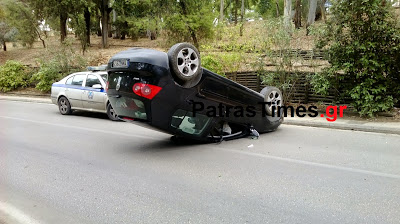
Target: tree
311, 14
7, 34
297, 15
104, 9
242, 18
140, 18
277, 8
364, 41
323, 14
61, 9
221, 12
287, 16
189, 21
20, 15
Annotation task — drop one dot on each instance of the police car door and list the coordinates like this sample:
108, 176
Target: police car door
94, 96
74, 91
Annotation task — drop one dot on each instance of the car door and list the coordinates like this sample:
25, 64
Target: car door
74, 91
94, 98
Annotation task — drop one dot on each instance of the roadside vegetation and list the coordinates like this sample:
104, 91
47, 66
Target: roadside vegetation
43, 41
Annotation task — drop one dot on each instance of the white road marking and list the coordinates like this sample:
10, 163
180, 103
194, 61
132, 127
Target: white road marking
16, 214
322, 165
342, 168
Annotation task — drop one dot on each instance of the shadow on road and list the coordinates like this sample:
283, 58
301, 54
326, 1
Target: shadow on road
167, 145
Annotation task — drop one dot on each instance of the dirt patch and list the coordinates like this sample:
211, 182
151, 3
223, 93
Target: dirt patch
95, 54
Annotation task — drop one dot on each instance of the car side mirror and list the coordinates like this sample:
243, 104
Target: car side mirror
97, 86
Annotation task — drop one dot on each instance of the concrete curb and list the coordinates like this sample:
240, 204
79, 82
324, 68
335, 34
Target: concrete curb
26, 99
342, 124
385, 128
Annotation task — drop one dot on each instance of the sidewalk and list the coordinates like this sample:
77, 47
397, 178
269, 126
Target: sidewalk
389, 127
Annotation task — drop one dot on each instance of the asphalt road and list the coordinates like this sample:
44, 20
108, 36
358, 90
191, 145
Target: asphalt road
84, 168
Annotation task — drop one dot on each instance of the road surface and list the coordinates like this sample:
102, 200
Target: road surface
85, 168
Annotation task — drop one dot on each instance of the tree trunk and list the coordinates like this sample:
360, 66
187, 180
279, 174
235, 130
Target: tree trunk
63, 25
104, 23
297, 15
109, 22
221, 12
41, 39
87, 23
242, 18
4, 46
311, 14
323, 14
192, 33
287, 16
277, 8
235, 11
117, 33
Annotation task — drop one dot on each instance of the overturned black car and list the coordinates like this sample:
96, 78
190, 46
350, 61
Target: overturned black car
172, 93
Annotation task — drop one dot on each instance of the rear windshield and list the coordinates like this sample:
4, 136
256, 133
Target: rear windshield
126, 80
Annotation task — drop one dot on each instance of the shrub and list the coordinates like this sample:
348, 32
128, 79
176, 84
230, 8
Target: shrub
48, 73
222, 63
64, 61
12, 76
364, 42
211, 63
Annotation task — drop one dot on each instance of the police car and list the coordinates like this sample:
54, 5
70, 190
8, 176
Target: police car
83, 91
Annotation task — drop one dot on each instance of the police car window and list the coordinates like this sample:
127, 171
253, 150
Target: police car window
92, 80
78, 80
69, 81
104, 77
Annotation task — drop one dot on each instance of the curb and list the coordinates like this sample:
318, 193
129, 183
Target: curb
26, 99
377, 128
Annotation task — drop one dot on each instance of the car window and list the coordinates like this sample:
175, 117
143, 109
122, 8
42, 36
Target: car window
78, 80
186, 122
104, 77
92, 80
69, 81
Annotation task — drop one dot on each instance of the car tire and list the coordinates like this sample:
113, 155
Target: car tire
111, 113
185, 64
273, 97
64, 106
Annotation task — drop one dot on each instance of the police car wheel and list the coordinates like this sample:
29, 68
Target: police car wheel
64, 106
111, 113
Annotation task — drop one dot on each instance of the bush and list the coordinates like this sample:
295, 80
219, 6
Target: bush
12, 76
222, 63
211, 63
364, 42
65, 61
48, 74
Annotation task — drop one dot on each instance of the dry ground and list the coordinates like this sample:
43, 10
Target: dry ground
254, 33
95, 55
